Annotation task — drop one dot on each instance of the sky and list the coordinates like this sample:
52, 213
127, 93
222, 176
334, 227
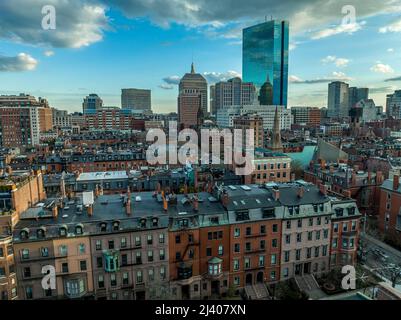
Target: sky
101, 46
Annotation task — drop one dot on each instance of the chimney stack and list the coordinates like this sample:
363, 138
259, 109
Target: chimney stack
90, 210
396, 182
196, 204
379, 177
369, 177
225, 199
323, 189
347, 193
353, 178
55, 211
276, 194
128, 206
301, 192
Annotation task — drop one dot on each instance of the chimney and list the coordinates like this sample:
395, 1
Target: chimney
369, 177
128, 206
347, 194
301, 192
225, 199
323, 163
165, 203
379, 177
353, 178
196, 204
90, 210
9, 170
55, 211
323, 189
396, 182
276, 194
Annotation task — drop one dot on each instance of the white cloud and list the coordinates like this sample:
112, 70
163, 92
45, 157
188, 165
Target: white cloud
335, 76
348, 28
48, 53
79, 23
390, 50
393, 27
21, 62
339, 62
172, 80
166, 86
213, 77
382, 68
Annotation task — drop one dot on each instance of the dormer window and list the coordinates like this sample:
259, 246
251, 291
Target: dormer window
142, 223
24, 234
339, 212
296, 208
116, 225
351, 211
103, 227
63, 231
155, 222
214, 220
40, 233
78, 229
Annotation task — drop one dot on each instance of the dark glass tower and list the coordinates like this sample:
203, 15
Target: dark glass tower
265, 55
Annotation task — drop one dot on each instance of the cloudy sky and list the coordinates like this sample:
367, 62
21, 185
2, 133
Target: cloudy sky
102, 46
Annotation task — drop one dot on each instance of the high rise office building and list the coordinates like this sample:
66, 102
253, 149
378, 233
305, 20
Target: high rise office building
393, 105
197, 83
356, 95
136, 99
265, 55
338, 100
233, 92
92, 103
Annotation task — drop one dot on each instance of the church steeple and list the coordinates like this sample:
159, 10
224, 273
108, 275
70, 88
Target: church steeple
275, 144
192, 68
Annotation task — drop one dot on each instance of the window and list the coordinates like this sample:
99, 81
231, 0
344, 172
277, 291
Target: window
345, 227
353, 225
150, 239
125, 278
261, 261
124, 259
63, 250
98, 245
210, 236
44, 252
319, 221
161, 254
308, 253
274, 243
248, 231
325, 233
318, 235
191, 253
288, 239
82, 265
25, 254
262, 244
137, 241
208, 252
310, 222
1, 253
273, 275
288, 224
285, 272
335, 228
113, 279
310, 234
236, 281
215, 269
162, 272
99, 262
263, 229
275, 227
237, 232
298, 254
27, 272
64, 267
177, 239
248, 246
317, 249
190, 238
151, 275
273, 259
299, 223
138, 257
78, 230
178, 256
123, 242
220, 250
81, 248
161, 238
286, 256
150, 256
324, 251
111, 244
334, 244
28, 293
139, 277
299, 237
247, 263
237, 247
2, 272
351, 243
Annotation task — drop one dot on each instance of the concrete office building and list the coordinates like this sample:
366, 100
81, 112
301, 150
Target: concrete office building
138, 100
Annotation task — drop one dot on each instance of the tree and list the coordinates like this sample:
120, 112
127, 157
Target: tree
297, 168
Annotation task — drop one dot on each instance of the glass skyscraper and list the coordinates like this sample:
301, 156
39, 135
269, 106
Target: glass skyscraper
265, 56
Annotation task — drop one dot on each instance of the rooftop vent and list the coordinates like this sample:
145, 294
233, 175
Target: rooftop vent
246, 188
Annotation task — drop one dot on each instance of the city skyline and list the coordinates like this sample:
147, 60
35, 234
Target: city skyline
137, 47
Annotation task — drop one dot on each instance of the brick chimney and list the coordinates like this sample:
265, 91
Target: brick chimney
225, 199
323, 189
55, 211
369, 177
353, 178
276, 194
90, 210
196, 204
379, 177
396, 182
300, 192
128, 206
347, 193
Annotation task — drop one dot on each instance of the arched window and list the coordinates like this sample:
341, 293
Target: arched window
79, 229
63, 231
24, 234
41, 233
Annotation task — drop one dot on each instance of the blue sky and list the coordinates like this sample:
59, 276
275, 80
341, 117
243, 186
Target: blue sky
102, 46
